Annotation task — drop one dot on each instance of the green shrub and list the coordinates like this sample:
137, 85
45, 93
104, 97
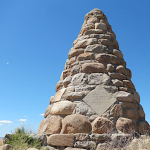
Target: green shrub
20, 140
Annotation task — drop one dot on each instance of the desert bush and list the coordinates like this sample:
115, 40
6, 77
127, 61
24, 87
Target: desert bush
21, 140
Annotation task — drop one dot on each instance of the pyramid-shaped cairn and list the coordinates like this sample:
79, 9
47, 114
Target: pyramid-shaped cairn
95, 94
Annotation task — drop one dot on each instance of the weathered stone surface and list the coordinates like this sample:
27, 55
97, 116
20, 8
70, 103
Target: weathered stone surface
99, 100
32, 149
6, 147
93, 68
83, 108
102, 125
100, 36
117, 111
101, 26
136, 96
75, 124
80, 88
92, 20
128, 73
76, 69
110, 88
87, 27
79, 79
117, 76
95, 48
141, 111
59, 86
70, 148
61, 140
103, 146
41, 126
125, 125
128, 105
75, 95
53, 125
124, 96
108, 58
66, 73
72, 60
47, 112
123, 89
75, 52
51, 99
117, 82
98, 78
131, 113
85, 144
118, 53
143, 127
100, 137
129, 84
67, 81
85, 56
94, 31
62, 108
93, 117
107, 42
58, 95
110, 68
85, 43
121, 69
81, 136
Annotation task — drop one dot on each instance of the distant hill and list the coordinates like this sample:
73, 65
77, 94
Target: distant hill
1, 138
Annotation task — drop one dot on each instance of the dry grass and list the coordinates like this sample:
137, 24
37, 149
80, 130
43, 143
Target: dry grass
1, 142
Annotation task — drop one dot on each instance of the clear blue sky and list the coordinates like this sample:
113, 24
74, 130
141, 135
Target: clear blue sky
35, 37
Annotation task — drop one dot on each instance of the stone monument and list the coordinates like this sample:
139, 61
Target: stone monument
95, 95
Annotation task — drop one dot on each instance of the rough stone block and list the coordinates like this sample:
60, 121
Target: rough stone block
93, 68
118, 53
100, 137
98, 78
81, 136
96, 48
117, 76
124, 96
75, 52
101, 26
85, 144
85, 56
61, 140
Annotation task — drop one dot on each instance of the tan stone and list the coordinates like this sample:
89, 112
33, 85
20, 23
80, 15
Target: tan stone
117, 76
87, 27
53, 125
93, 20
6, 147
118, 53
125, 125
59, 86
121, 69
103, 146
117, 111
102, 125
62, 108
41, 126
51, 100
75, 95
124, 96
93, 68
110, 68
123, 63
81, 136
128, 73
117, 82
129, 84
141, 111
67, 81
85, 56
75, 124
71, 60
66, 73
47, 112
108, 58
85, 43
58, 95
128, 105
101, 26
70, 148
131, 113
94, 31
106, 42
143, 127
75, 52
61, 140
123, 89
95, 48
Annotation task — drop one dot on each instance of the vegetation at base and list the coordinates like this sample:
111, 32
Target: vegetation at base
21, 140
